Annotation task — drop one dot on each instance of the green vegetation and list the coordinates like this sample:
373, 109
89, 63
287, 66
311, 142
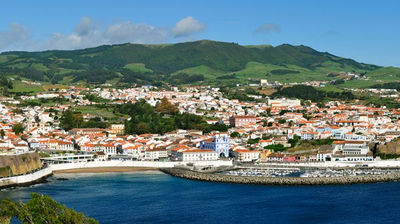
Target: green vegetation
293, 142
319, 142
183, 78
5, 172
389, 85
41, 209
97, 110
72, 119
233, 76
43, 154
235, 134
385, 156
253, 141
284, 72
216, 61
310, 93
138, 67
276, 148
18, 128
162, 118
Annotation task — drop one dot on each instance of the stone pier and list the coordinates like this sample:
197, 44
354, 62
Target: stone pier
280, 181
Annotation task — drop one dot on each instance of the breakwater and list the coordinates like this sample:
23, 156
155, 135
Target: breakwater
284, 181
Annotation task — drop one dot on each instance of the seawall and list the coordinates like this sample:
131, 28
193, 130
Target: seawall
115, 163
26, 179
281, 181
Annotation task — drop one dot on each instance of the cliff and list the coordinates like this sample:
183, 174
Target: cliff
390, 148
19, 164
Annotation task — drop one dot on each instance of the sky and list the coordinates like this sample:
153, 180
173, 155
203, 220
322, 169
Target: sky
367, 31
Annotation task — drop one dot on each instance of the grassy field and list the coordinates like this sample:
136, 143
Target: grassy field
265, 90
388, 74
101, 112
40, 67
57, 86
138, 67
25, 87
201, 70
330, 88
359, 83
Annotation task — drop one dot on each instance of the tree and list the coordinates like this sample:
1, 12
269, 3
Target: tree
70, 120
235, 134
166, 107
41, 209
142, 128
18, 128
2, 134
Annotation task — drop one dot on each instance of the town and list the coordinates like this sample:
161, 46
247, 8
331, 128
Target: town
270, 131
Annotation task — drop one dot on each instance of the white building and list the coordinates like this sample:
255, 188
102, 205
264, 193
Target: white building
197, 155
284, 102
156, 154
244, 155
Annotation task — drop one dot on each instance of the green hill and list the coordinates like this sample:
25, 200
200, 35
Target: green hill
136, 63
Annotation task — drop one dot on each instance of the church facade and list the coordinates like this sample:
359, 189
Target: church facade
220, 144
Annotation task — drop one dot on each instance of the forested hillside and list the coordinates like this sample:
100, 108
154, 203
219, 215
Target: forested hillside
211, 61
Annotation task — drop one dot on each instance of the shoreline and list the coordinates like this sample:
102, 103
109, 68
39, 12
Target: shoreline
106, 170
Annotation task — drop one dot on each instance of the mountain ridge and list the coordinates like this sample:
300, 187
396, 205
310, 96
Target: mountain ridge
167, 59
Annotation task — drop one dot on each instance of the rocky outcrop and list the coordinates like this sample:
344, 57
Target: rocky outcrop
19, 164
390, 148
294, 181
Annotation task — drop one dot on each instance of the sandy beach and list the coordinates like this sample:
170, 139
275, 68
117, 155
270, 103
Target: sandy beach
106, 170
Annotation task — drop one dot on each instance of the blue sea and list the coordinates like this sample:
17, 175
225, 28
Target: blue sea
154, 197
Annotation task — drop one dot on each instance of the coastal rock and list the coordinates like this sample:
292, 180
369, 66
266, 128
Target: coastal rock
19, 164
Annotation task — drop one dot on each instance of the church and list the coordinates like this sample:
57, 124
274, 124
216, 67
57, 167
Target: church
220, 144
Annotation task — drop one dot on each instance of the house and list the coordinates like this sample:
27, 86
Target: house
275, 157
244, 155
267, 142
240, 121
64, 146
309, 135
101, 156
83, 131
117, 129
156, 154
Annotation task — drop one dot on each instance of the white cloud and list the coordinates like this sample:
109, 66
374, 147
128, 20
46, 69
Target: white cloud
187, 27
136, 33
88, 33
267, 28
16, 37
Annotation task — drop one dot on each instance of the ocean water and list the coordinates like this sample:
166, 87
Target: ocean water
153, 197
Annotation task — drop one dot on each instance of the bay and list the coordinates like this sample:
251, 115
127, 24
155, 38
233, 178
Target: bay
154, 197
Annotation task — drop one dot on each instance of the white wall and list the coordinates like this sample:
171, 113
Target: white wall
114, 163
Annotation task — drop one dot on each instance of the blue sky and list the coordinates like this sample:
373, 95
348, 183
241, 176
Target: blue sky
367, 31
